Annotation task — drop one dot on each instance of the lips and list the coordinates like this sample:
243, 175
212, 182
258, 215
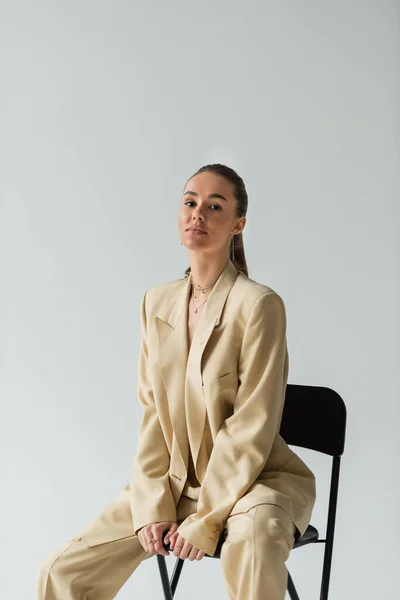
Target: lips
196, 230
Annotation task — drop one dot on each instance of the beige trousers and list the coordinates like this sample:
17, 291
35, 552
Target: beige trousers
253, 558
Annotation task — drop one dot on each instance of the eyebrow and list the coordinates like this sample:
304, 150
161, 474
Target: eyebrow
210, 195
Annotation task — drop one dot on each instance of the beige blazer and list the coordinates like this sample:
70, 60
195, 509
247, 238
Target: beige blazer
236, 370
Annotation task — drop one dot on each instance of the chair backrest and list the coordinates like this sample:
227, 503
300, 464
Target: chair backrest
314, 417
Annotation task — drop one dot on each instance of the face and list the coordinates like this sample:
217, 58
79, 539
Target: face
208, 203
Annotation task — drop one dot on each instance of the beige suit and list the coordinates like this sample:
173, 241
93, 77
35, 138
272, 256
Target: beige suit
220, 403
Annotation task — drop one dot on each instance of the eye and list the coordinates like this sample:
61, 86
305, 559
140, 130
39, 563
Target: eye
192, 202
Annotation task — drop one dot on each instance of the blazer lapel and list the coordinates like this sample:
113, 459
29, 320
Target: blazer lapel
181, 368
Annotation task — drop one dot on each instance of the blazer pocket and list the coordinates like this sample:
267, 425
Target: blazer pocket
226, 380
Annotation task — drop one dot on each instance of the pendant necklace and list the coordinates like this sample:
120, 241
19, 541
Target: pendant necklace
201, 287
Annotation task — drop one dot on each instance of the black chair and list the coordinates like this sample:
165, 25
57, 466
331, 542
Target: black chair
314, 418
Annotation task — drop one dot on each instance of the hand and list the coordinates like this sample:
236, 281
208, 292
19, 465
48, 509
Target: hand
156, 531
187, 550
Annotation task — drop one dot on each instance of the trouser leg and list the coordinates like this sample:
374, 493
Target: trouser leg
84, 568
78, 572
253, 556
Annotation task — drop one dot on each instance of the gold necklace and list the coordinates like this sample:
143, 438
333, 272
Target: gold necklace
196, 308
202, 288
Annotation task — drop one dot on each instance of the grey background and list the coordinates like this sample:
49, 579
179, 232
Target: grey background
107, 109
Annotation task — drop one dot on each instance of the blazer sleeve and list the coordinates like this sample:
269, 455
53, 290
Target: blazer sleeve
151, 498
243, 443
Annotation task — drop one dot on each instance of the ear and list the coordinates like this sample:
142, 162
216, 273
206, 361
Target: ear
239, 225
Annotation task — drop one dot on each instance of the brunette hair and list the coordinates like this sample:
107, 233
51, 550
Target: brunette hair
240, 195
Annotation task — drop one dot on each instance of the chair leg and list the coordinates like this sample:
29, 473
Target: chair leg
162, 565
326, 569
169, 587
176, 574
330, 529
291, 589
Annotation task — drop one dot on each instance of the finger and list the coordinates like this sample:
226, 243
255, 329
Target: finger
178, 544
193, 553
143, 541
157, 547
182, 548
157, 534
172, 539
150, 544
175, 540
150, 548
168, 535
185, 551
170, 532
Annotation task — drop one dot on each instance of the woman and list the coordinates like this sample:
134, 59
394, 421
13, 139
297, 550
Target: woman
212, 375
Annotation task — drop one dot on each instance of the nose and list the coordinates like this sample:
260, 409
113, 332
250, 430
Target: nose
197, 215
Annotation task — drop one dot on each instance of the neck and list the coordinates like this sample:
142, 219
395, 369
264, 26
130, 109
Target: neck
204, 269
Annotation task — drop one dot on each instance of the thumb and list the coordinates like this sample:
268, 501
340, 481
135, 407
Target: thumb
170, 531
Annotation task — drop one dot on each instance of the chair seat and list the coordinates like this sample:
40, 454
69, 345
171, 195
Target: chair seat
310, 535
